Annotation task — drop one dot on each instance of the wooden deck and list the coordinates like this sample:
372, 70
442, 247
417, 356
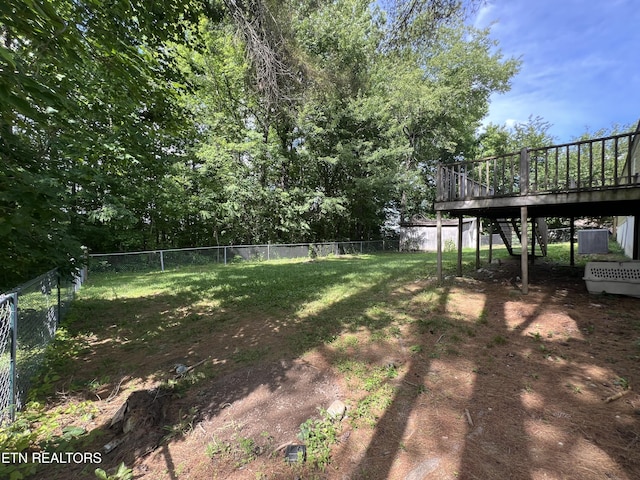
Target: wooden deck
588, 178
597, 177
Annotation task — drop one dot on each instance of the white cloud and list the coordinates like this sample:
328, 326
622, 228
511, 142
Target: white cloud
484, 16
578, 67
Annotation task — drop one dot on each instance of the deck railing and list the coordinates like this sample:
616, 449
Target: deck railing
602, 163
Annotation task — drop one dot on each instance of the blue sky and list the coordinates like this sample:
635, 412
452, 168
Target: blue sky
581, 62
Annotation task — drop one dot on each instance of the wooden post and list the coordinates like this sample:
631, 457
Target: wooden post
524, 264
572, 232
491, 242
524, 172
439, 244
533, 240
636, 239
478, 230
460, 226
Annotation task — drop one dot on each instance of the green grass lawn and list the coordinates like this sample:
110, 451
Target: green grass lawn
302, 303
135, 326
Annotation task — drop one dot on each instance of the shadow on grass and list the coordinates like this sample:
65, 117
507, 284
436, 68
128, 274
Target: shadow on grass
265, 315
528, 414
234, 317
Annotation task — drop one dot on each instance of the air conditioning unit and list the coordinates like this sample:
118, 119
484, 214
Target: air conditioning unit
593, 241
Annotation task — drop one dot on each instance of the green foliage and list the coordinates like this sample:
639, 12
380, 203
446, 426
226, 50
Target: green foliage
500, 139
319, 435
122, 473
129, 126
35, 429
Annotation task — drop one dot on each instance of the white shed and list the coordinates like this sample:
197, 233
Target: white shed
420, 234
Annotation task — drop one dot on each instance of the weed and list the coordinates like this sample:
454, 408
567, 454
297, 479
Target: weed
247, 450
449, 246
536, 336
497, 340
216, 447
483, 318
622, 382
415, 348
469, 331
183, 427
319, 435
35, 428
575, 388
122, 473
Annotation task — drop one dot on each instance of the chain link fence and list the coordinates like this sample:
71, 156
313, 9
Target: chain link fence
173, 258
7, 354
29, 317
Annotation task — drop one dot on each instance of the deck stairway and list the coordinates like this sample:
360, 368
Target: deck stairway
507, 227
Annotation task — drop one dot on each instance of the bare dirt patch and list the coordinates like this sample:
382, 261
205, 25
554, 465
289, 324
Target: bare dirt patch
482, 382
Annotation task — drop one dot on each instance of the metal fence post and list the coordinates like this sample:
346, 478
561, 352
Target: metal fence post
225, 255
58, 310
13, 375
161, 261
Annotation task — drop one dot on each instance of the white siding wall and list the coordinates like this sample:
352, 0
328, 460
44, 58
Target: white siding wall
624, 235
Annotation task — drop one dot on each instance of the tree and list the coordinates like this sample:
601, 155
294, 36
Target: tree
131, 125
75, 83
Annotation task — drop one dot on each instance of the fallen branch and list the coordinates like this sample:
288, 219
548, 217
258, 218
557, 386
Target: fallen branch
114, 394
466, 411
280, 448
617, 395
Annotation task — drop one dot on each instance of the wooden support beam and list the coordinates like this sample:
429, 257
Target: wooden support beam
572, 233
491, 228
460, 227
524, 264
533, 240
636, 237
478, 231
439, 245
